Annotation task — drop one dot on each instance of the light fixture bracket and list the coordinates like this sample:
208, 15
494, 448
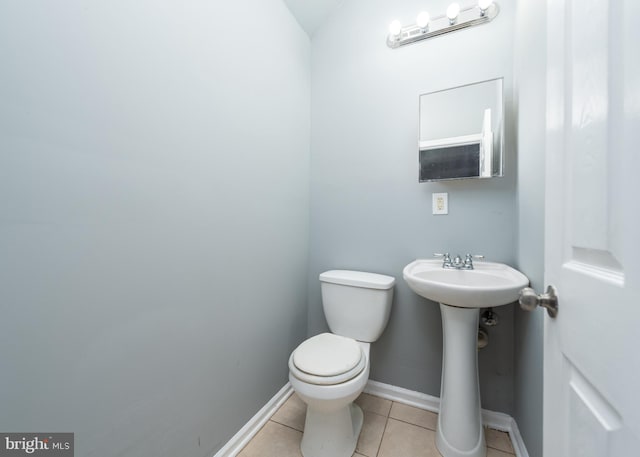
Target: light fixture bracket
468, 17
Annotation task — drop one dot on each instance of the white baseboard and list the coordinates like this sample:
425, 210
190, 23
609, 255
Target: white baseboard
492, 419
516, 439
244, 435
401, 395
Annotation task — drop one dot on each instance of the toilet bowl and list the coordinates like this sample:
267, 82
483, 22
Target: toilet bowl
333, 421
330, 370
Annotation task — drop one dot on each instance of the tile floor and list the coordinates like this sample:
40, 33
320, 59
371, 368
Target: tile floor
390, 429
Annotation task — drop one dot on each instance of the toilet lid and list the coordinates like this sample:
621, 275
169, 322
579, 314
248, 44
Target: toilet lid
327, 355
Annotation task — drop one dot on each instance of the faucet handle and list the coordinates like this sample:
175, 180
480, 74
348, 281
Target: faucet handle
446, 259
468, 260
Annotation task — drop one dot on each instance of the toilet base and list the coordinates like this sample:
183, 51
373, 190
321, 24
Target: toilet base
333, 422
332, 434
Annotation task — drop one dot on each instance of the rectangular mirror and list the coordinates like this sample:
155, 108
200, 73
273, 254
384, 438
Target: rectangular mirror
461, 132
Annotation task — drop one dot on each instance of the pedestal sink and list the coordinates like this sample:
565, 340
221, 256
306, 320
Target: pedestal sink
461, 293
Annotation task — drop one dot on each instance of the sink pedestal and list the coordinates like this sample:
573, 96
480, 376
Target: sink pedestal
459, 431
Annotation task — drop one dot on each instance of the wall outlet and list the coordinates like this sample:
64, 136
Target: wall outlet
440, 203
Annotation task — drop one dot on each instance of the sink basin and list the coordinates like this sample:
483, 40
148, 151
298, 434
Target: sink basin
488, 284
460, 293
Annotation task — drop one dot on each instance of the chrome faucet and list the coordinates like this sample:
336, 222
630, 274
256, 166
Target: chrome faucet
457, 263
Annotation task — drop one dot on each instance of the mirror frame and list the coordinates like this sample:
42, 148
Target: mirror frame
496, 172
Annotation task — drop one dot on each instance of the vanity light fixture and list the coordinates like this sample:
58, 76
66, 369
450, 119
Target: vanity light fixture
395, 29
452, 13
456, 18
422, 21
484, 6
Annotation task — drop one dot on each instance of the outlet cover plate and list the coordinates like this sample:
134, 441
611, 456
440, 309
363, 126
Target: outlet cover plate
440, 203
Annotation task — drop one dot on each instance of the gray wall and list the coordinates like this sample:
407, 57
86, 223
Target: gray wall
368, 211
154, 179
530, 65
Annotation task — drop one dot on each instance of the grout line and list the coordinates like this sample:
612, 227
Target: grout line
498, 449
415, 425
411, 423
372, 412
380, 398
288, 426
501, 450
383, 432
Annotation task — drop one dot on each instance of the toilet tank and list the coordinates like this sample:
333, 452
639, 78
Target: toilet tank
356, 304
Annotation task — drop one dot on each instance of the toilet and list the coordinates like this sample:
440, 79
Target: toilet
330, 370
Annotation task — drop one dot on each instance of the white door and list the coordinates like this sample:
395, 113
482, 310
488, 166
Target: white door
592, 252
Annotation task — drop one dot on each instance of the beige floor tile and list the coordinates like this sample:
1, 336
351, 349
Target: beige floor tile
409, 432
292, 413
374, 404
406, 440
498, 440
415, 416
371, 434
491, 452
274, 440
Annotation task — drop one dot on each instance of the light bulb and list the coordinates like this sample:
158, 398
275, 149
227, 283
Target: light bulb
452, 12
394, 29
484, 4
423, 20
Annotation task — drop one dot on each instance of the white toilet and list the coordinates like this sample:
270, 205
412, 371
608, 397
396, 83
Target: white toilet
329, 371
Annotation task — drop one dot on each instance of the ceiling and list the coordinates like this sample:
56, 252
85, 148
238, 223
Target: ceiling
311, 13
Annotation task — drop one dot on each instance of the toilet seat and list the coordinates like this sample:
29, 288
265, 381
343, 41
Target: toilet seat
327, 359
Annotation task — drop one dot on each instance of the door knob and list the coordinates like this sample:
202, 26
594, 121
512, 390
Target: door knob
529, 300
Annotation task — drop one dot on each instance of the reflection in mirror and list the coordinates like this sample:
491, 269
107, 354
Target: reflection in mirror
461, 132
